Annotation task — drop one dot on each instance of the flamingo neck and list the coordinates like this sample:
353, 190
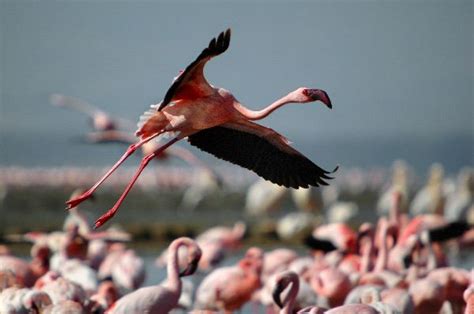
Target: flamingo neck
394, 212
381, 262
260, 114
366, 257
172, 267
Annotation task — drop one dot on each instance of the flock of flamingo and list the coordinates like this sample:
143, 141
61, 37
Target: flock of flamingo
399, 264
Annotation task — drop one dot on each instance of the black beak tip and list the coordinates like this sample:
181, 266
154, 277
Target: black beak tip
321, 95
191, 269
276, 296
327, 100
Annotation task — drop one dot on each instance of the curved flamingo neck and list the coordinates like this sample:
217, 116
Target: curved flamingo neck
260, 114
382, 256
172, 267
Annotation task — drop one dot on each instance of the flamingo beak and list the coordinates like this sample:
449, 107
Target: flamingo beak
277, 293
319, 94
192, 267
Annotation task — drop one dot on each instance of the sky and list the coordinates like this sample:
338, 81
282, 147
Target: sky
395, 70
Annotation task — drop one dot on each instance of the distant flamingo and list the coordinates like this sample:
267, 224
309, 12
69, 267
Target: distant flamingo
277, 260
26, 273
215, 243
469, 296
61, 289
431, 198
454, 282
100, 120
228, 288
461, 200
427, 295
340, 235
214, 121
353, 308
107, 293
162, 298
23, 300
331, 283
264, 197
399, 185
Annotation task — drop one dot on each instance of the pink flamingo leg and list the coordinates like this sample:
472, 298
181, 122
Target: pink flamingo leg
131, 149
111, 212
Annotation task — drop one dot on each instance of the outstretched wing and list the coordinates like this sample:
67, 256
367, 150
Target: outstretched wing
191, 83
74, 103
261, 150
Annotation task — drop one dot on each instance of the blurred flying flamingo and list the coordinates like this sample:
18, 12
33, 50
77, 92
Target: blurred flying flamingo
162, 298
214, 121
100, 120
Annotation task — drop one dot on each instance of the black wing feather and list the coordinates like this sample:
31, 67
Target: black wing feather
215, 48
259, 155
452, 230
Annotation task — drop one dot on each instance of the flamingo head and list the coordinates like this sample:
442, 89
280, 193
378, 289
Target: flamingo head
194, 255
282, 281
304, 95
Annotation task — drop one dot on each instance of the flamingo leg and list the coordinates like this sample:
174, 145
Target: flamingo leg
111, 212
130, 150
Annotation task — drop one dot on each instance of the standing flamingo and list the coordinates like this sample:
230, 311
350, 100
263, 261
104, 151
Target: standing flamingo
162, 298
229, 288
214, 121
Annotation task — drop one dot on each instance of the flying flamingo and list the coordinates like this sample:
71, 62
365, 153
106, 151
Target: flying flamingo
162, 298
216, 122
100, 120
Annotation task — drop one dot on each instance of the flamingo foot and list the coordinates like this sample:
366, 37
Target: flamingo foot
105, 217
76, 201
